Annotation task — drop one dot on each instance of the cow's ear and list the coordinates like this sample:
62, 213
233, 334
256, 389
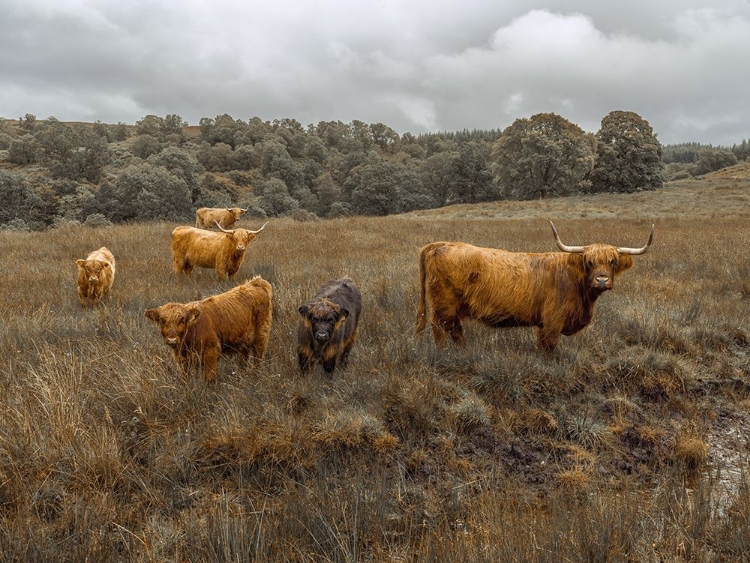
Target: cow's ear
152, 314
624, 261
105, 265
193, 314
80, 262
303, 310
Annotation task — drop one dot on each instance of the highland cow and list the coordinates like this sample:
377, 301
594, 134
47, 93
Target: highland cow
328, 328
237, 321
554, 291
96, 274
225, 217
224, 251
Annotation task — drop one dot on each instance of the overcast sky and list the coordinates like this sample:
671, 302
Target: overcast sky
414, 65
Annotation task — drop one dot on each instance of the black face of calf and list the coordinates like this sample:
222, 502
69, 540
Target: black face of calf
322, 318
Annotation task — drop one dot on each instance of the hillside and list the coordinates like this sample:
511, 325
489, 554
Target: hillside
628, 443
724, 193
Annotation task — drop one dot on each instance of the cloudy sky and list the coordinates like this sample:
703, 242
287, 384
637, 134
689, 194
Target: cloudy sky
415, 65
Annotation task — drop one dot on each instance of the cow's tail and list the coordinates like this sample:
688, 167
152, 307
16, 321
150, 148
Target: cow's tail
422, 310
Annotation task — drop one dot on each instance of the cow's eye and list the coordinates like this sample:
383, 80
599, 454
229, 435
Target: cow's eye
613, 262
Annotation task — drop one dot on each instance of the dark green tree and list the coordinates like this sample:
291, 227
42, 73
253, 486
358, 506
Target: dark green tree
216, 158
473, 178
144, 145
20, 202
439, 176
274, 198
714, 159
182, 164
150, 125
385, 187
24, 150
146, 192
628, 155
543, 156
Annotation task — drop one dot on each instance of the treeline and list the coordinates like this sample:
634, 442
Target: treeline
160, 168
695, 159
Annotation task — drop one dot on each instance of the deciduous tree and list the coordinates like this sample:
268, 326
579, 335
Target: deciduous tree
628, 155
543, 156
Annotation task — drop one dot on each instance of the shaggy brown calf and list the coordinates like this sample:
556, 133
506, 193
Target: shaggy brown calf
328, 328
224, 251
225, 217
96, 274
554, 291
237, 321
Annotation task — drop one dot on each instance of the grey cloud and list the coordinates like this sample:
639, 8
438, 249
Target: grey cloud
448, 65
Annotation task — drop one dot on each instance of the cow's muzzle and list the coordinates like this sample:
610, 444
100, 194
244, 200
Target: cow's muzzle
172, 341
321, 336
602, 282
93, 280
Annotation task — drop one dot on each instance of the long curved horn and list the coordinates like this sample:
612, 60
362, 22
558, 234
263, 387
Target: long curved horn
222, 228
561, 246
244, 209
637, 251
259, 230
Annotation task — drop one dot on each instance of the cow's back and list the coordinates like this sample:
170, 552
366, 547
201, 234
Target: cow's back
490, 283
344, 293
234, 313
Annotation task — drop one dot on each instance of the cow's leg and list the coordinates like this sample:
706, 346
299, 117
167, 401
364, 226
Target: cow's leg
457, 332
183, 363
304, 361
444, 324
547, 338
329, 365
211, 363
438, 332
178, 264
344, 358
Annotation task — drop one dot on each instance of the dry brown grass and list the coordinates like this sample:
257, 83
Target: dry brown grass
602, 452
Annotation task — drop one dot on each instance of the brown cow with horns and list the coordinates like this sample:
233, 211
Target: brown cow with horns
554, 291
224, 251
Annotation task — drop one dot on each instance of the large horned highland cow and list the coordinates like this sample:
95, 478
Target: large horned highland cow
224, 251
554, 291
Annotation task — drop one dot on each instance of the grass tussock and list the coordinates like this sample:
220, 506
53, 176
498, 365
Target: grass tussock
628, 443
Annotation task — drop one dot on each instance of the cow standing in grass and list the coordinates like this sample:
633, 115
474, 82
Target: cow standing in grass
237, 321
224, 251
225, 217
554, 291
328, 328
96, 274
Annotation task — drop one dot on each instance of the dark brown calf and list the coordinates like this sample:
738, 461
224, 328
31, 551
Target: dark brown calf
237, 321
328, 328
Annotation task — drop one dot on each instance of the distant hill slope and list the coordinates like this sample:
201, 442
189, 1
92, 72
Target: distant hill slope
724, 193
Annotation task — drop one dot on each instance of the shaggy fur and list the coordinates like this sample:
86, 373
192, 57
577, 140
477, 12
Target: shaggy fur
96, 274
328, 328
553, 291
207, 217
223, 251
237, 321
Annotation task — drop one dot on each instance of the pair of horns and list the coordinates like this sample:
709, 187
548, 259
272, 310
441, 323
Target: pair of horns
620, 250
249, 231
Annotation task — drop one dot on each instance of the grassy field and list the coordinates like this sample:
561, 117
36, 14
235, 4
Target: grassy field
629, 443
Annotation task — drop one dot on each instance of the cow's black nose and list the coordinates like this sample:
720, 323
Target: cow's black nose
321, 336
